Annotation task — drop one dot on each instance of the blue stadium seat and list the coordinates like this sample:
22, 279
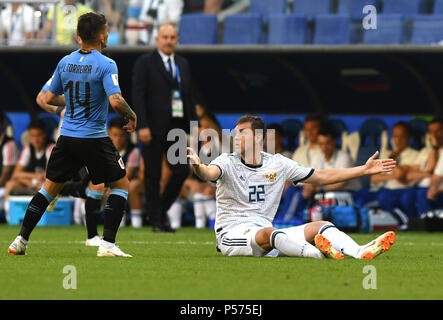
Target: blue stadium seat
287, 29
427, 29
332, 29
312, 8
370, 141
243, 29
370, 132
438, 7
198, 29
355, 7
267, 7
419, 130
390, 30
292, 128
405, 7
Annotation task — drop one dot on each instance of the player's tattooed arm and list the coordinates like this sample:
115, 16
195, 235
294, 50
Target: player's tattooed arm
121, 107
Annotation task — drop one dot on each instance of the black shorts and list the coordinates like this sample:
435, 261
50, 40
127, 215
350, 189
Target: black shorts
98, 155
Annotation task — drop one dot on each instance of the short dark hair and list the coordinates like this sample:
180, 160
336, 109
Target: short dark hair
406, 125
37, 124
328, 130
278, 128
256, 123
117, 122
437, 120
316, 117
89, 26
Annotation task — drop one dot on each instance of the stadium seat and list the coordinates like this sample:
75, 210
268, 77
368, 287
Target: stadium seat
438, 7
198, 29
370, 132
287, 29
419, 130
243, 29
390, 30
332, 29
373, 134
404, 7
292, 129
427, 29
266, 7
312, 8
355, 7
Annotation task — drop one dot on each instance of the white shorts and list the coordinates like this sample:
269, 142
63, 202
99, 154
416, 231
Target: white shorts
240, 241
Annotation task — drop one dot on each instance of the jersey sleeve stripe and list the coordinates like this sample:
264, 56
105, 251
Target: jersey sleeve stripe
221, 174
307, 176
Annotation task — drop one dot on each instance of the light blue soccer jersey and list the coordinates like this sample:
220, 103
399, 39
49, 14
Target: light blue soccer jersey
86, 80
47, 84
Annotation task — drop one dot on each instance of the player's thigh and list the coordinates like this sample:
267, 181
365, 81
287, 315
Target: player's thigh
103, 161
240, 241
63, 163
96, 187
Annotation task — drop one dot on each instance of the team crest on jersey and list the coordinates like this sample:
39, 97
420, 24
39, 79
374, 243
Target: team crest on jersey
271, 176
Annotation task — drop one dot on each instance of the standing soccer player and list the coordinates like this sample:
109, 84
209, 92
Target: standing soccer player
249, 188
89, 81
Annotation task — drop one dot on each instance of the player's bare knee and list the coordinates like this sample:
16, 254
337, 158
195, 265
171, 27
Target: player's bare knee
263, 238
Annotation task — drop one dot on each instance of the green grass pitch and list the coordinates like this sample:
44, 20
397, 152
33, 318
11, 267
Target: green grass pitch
186, 266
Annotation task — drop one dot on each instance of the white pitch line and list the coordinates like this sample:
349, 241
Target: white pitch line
122, 242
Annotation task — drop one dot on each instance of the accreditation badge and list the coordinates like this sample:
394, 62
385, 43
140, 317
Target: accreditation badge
177, 105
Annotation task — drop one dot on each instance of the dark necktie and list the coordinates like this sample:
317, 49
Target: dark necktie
170, 68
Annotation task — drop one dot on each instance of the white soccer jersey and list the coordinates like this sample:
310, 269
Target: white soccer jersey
247, 194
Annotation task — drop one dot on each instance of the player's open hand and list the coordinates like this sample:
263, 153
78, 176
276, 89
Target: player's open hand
374, 166
193, 157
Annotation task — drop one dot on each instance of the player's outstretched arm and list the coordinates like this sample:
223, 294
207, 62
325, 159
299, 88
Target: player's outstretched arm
119, 104
372, 166
208, 173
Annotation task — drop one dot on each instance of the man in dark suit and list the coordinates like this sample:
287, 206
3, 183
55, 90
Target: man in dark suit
162, 97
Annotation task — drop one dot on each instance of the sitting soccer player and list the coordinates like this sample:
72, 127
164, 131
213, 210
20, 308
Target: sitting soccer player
9, 153
29, 174
249, 187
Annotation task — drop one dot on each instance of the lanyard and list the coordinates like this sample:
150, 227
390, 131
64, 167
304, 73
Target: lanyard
334, 159
15, 17
177, 74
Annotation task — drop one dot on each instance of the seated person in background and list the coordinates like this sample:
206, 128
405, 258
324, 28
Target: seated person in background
330, 158
9, 153
30, 172
137, 191
130, 155
421, 172
396, 194
293, 203
435, 191
203, 193
305, 153
276, 144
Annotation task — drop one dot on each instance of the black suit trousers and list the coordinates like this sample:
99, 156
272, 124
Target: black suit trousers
158, 205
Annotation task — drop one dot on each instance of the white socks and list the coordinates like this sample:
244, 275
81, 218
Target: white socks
199, 211
175, 214
136, 218
204, 208
340, 241
282, 242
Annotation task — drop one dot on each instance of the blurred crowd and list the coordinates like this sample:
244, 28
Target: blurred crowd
131, 22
